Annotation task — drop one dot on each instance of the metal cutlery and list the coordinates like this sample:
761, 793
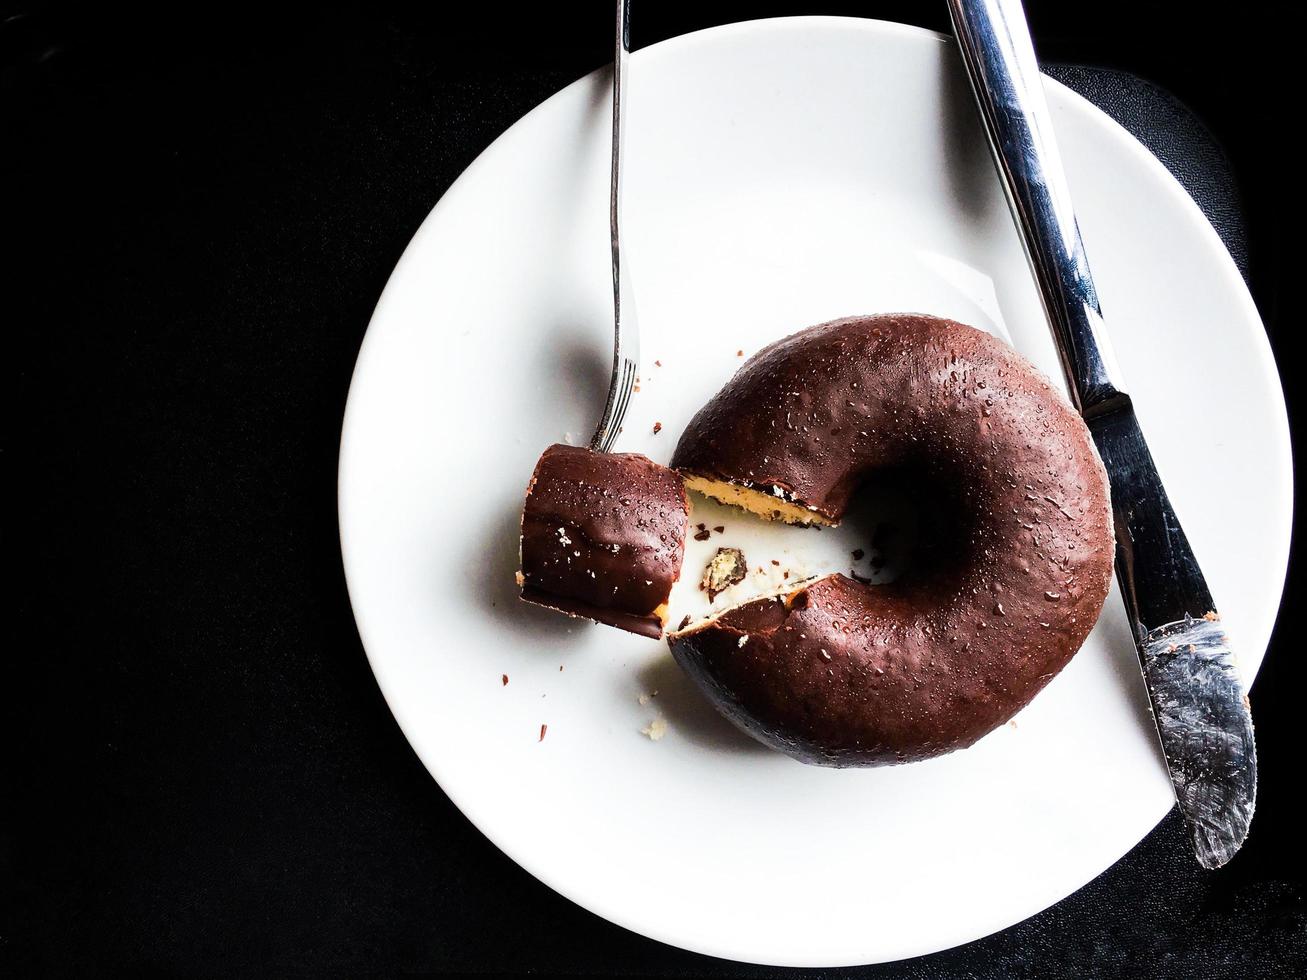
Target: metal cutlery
626, 333
1198, 703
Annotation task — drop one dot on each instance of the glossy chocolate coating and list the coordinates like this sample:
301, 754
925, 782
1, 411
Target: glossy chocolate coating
1018, 560
603, 536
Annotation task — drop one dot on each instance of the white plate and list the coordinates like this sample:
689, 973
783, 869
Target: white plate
781, 173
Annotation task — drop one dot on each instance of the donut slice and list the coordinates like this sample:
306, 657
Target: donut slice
603, 536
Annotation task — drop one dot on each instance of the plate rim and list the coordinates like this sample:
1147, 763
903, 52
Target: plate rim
898, 32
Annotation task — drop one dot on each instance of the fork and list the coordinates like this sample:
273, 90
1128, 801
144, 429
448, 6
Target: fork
626, 334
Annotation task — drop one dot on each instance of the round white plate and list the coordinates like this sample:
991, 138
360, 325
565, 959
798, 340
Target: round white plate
780, 173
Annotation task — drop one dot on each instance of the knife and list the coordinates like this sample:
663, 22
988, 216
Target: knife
1198, 703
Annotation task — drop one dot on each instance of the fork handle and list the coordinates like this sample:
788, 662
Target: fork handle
626, 342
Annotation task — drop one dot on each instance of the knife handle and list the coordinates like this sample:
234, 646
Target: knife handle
1000, 62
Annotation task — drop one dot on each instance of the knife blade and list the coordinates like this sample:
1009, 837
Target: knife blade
1198, 702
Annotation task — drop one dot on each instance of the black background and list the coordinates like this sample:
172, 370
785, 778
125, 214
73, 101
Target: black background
200, 211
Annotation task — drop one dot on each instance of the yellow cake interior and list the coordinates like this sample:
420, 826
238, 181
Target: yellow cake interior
765, 505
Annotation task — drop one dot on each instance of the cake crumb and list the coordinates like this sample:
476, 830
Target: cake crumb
521, 579
543, 729
724, 569
743, 640
1211, 616
1012, 724
739, 353
658, 427
656, 729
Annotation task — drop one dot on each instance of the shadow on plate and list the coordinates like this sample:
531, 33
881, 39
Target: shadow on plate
970, 172
493, 586
689, 713
582, 371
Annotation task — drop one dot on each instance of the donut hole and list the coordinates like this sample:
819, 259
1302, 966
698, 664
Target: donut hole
910, 523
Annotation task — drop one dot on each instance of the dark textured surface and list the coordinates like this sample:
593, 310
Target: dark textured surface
202, 778
991, 608
1175, 136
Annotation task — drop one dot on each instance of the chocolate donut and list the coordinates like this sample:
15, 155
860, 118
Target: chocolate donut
603, 536
1014, 563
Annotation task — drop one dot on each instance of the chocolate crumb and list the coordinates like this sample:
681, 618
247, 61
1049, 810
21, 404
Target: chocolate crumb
560, 668
543, 729
658, 427
775, 562
720, 528
684, 623
703, 535
857, 554
859, 578
724, 569
505, 684
786, 574
658, 363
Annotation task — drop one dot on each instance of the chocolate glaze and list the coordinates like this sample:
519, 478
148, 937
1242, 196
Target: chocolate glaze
1016, 563
603, 536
